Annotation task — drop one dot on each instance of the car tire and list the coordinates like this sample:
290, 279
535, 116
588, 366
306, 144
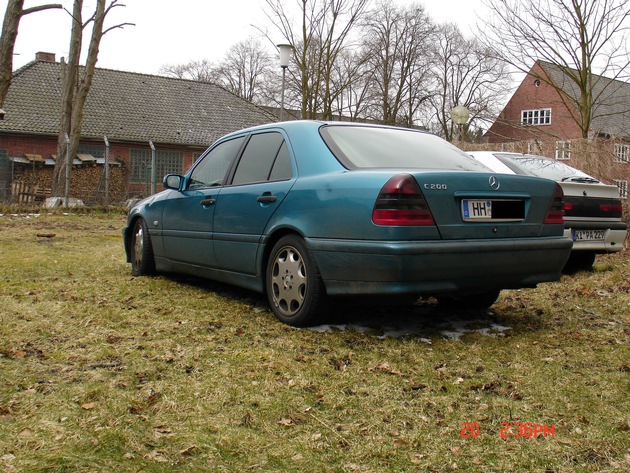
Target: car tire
293, 284
477, 301
579, 261
142, 258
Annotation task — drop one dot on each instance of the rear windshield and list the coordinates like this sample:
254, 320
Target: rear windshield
540, 166
361, 147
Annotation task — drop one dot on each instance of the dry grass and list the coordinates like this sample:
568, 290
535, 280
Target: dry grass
102, 371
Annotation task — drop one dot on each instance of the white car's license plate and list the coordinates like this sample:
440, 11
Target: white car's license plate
581, 235
476, 209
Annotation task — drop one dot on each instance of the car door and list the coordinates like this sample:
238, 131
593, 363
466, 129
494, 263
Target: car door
188, 214
260, 181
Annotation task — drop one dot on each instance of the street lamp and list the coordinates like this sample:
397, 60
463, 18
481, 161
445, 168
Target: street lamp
460, 115
285, 56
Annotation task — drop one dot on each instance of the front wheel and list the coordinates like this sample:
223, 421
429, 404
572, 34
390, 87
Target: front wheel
142, 258
293, 284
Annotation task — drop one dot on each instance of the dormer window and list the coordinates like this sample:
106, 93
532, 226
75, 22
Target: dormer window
541, 116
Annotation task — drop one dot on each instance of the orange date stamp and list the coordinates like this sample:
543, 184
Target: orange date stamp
519, 430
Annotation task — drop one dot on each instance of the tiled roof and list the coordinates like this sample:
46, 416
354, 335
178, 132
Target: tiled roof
127, 106
611, 111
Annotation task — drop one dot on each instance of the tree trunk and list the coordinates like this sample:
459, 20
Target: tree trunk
12, 16
7, 41
69, 79
76, 88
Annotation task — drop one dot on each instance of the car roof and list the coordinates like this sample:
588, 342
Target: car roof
306, 124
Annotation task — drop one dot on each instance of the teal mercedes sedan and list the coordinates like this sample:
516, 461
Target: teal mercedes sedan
306, 211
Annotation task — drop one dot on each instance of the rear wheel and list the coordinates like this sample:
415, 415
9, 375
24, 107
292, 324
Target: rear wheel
478, 301
579, 261
293, 284
142, 258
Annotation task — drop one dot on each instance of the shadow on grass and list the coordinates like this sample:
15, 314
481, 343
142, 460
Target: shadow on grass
390, 318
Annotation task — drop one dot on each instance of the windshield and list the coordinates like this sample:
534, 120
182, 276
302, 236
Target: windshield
542, 167
375, 147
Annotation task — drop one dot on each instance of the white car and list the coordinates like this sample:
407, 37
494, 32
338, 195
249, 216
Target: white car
592, 209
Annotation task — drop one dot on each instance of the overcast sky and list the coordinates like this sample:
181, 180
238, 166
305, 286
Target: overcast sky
178, 31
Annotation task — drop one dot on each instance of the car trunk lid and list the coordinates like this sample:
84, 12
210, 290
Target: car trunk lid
479, 205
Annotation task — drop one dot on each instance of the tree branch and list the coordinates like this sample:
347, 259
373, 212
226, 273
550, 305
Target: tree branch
50, 6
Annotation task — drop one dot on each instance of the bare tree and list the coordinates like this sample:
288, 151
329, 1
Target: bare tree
397, 45
353, 79
585, 39
202, 70
12, 16
467, 74
76, 84
319, 37
246, 65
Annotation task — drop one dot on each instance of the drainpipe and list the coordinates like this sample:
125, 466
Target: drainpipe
68, 164
152, 167
106, 169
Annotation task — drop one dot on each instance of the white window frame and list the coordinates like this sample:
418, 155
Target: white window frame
534, 147
622, 184
563, 150
536, 117
622, 153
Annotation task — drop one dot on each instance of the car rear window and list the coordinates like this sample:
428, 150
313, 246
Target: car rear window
361, 147
540, 166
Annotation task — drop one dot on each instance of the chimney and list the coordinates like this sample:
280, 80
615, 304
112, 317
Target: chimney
42, 56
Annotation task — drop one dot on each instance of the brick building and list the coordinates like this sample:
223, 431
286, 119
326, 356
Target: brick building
129, 117
540, 120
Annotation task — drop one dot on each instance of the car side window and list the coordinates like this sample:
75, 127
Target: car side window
264, 153
213, 167
282, 169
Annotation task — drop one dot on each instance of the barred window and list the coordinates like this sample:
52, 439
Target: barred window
534, 147
623, 188
166, 162
5, 175
196, 155
563, 150
536, 117
621, 153
97, 151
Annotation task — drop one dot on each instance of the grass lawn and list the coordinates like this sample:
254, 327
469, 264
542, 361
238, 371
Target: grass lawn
101, 371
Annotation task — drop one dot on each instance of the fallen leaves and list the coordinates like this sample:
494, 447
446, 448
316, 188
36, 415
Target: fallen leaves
385, 367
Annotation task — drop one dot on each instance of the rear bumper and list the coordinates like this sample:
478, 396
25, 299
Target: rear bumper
438, 267
612, 240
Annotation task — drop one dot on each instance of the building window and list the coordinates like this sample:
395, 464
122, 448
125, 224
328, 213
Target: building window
5, 175
534, 147
621, 153
95, 150
536, 117
166, 162
623, 188
563, 150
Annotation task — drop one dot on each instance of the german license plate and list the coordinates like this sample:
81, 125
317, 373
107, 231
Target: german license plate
476, 209
582, 235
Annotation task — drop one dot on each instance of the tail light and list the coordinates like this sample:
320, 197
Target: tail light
555, 214
401, 203
612, 209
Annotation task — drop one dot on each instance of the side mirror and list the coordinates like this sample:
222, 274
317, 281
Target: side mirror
173, 181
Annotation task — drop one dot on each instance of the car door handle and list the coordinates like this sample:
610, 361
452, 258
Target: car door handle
266, 199
207, 202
